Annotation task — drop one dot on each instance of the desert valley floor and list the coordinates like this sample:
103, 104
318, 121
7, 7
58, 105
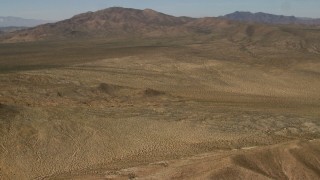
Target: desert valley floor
158, 111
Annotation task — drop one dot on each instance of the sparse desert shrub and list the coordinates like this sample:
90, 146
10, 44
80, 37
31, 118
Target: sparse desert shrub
152, 92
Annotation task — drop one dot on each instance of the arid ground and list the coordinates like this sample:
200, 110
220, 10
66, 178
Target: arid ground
160, 109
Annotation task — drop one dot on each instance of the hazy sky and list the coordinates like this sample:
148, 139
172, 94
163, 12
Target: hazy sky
62, 9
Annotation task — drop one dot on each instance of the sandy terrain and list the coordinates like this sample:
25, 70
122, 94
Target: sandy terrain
174, 113
291, 160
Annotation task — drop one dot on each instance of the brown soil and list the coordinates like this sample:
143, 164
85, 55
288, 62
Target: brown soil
187, 112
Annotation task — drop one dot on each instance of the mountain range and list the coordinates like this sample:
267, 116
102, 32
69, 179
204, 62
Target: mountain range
119, 22
125, 23
261, 17
20, 22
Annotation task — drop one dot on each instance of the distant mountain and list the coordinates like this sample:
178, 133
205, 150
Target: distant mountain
20, 22
125, 23
11, 29
117, 22
270, 18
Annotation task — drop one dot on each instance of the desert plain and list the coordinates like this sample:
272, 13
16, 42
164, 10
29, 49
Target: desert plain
204, 107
